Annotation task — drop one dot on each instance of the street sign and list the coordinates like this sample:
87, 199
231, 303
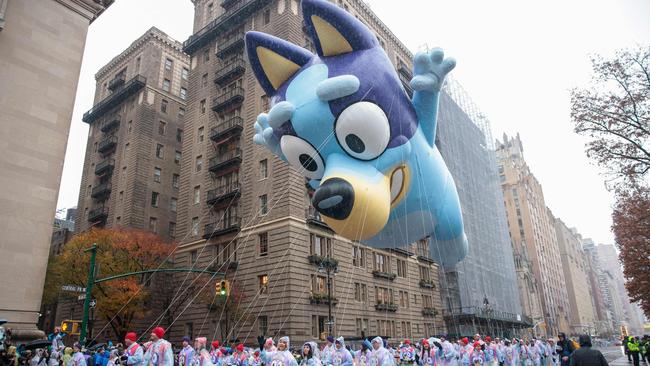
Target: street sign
73, 288
93, 302
81, 297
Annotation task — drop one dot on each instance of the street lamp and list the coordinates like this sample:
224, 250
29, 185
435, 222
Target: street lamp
330, 268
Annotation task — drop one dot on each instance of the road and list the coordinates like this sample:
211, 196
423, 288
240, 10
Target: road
614, 356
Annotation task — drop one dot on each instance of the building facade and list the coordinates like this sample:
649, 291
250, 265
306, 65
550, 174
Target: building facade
42, 45
246, 212
576, 269
131, 175
533, 225
603, 314
609, 262
480, 294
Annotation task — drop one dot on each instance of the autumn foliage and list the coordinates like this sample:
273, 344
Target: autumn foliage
121, 301
632, 230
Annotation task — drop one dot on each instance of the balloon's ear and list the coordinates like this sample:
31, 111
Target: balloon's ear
333, 30
274, 60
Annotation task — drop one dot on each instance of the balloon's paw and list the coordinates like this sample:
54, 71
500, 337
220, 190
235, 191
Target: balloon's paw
430, 70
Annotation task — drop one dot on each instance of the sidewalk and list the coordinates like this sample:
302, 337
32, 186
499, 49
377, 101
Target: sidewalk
622, 361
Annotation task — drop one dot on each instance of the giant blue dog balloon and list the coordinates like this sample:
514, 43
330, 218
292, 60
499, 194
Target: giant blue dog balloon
343, 119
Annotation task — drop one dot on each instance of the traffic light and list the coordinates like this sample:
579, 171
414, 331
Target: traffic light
223, 288
72, 327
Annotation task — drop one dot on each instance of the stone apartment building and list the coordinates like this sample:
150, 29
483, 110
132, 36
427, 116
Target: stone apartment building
131, 175
534, 240
576, 269
243, 211
42, 43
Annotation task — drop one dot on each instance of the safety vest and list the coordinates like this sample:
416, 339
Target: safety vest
633, 346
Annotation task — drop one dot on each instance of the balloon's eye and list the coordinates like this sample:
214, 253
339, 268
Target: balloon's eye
363, 131
302, 156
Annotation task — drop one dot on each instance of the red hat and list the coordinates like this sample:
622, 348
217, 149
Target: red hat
425, 342
215, 344
407, 341
465, 340
477, 344
131, 336
240, 347
488, 339
159, 332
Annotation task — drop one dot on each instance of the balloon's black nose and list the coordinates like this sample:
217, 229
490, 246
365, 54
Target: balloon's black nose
334, 198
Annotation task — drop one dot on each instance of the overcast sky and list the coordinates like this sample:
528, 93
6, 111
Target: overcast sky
517, 59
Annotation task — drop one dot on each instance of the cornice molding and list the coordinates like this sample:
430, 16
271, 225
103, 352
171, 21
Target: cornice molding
89, 9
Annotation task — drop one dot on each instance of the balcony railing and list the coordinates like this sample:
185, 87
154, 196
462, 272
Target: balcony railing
227, 99
227, 128
112, 124
108, 103
225, 192
105, 167
428, 311
313, 217
230, 71
228, 3
319, 260
386, 307
318, 298
403, 69
234, 15
386, 275
427, 284
101, 191
227, 225
231, 45
107, 144
116, 83
225, 160
98, 214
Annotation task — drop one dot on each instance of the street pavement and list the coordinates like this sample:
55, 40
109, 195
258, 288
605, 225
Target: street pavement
614, 356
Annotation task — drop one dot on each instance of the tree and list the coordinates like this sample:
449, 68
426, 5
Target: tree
632, 230
614, 114
121, 301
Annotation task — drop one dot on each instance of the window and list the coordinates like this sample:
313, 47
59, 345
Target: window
362, 326
162, 126
263, 169
360, 292
185, 73
198, 165
206, 55
172, 204
179, 135
423, 247
265, 103
320, 245
163, 106
425, 273
358, 257
156, 174
401, 268
383, 295
137, 64
193, 257
263, 322
177, 157
204, 80
200, 136
172, 229
175, 180
154, 199
160, 151
202, 106
169, 64
189, 330
181, 112
381, 263
404, 299
153, 224
263, 244
267, 16
129, 126
183, 93
121, 196
195, 226
118, 220
263, 281
263, 205
89, 190
318, 284
427, 301
197, 195
166, 85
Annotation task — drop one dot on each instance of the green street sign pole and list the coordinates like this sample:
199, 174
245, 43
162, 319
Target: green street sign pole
89, 287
